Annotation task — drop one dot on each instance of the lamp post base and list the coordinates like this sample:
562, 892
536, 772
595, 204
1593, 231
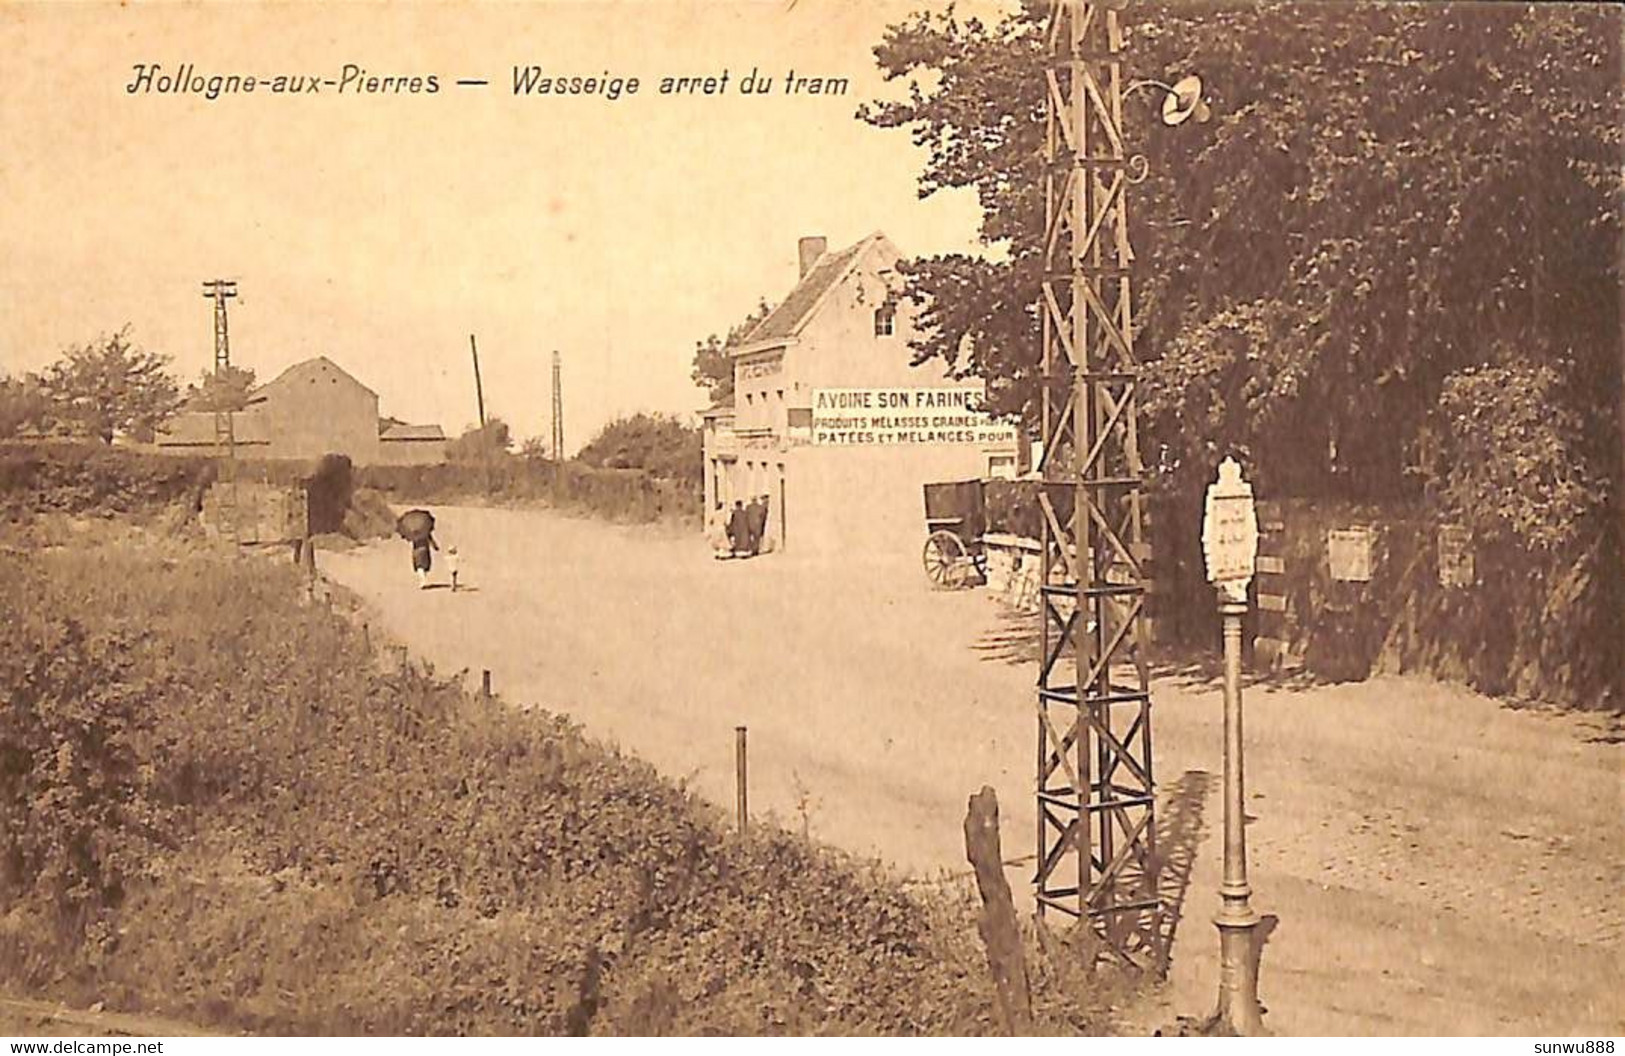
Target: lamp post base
1238, 1011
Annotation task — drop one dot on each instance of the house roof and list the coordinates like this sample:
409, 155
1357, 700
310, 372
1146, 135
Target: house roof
305, 368
389, 429
793, 314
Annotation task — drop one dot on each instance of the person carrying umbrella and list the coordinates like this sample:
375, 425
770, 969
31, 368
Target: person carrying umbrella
417, 527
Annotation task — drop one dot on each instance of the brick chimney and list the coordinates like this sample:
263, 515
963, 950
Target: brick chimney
811, 248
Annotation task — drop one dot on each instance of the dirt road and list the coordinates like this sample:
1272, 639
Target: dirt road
1439, 864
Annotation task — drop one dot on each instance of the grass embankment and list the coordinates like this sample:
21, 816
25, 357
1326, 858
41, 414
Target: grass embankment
219, 807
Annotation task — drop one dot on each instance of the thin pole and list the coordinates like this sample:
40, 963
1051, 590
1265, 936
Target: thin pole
479, 392
558, 409
485, 683
1237, 923
739, 778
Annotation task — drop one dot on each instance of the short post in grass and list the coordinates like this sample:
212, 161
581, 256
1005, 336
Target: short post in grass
739, 778
485, 683
1230, 544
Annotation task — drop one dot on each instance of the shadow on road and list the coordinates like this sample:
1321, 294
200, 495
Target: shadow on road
1013, 639
1266, 927
1179, 831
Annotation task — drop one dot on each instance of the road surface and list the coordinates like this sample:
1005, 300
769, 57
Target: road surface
1438, 863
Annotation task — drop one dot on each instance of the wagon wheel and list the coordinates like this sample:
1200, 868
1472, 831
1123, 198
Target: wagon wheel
944, 558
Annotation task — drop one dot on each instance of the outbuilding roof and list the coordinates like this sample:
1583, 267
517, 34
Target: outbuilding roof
390, 429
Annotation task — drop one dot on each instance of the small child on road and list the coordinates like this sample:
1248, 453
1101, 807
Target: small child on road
451, 566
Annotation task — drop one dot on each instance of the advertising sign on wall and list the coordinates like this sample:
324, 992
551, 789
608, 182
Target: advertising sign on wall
875, 417
1455, 556
1348, 551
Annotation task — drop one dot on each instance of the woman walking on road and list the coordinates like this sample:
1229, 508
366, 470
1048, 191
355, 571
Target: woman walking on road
417, 527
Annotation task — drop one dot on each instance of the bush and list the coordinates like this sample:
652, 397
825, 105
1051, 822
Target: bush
329, 491
77, 739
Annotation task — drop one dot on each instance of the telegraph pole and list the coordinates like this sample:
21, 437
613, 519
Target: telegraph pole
1096, 827
479, 392
225, 440
558, 410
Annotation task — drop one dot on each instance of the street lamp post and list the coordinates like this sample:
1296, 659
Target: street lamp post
1230, 544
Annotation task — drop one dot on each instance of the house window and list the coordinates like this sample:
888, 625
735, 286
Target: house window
885, 319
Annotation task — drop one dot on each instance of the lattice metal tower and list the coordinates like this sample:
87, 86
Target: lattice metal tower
225, 439
558, 410
1096, 829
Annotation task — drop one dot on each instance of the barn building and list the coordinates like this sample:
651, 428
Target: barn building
311, 409
832, 423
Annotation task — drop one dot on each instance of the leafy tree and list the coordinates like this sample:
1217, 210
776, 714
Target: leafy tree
657, 443
536, 447
110, 387
713, 357
1399, 196
220, 391
480, 443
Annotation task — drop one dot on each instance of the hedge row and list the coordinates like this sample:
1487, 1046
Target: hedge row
623, 495
66, 477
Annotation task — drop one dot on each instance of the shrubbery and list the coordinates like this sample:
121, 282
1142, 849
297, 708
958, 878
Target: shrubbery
627, 495
658, 444
262, 828
80, 478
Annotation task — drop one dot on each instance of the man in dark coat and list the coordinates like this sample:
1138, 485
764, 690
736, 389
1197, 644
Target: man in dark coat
738, 530
756, 515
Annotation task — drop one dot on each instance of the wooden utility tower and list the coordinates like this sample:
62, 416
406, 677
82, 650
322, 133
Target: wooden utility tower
1096, 829
558, 411
225, 439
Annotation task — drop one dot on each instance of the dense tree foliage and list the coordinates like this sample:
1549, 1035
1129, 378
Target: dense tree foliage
481, 442
713, 357
657, 443
225, 390
110, 387
1399, 236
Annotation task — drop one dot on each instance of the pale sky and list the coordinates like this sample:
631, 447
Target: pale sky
382, 231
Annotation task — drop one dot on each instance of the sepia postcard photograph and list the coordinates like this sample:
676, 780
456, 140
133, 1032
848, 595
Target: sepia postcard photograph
812, 518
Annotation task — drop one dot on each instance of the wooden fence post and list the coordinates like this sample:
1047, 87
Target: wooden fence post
739, 778
1001, 935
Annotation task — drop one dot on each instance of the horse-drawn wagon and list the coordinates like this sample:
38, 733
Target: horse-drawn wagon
955, 524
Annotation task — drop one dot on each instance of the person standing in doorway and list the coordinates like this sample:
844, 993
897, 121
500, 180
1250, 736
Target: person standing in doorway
738, 530
756, 519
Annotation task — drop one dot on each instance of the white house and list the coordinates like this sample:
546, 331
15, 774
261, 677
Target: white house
829, 420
